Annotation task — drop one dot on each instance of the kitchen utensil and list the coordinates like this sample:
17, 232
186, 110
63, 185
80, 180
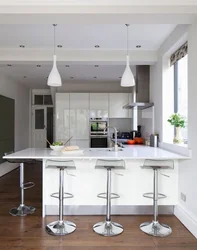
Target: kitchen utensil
48, 142
68, 140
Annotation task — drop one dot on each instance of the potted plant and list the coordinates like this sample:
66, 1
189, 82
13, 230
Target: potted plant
179, 122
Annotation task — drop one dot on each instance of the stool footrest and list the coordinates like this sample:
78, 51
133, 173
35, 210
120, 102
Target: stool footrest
151, 195
66, 195
104, 196
28, 185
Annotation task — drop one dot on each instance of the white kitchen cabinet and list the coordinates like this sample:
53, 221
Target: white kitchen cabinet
116, 103
79, 116
99, 105
62, 117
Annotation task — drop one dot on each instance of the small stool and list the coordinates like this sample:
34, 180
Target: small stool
22, 210
155, 228
61, 227
108, 228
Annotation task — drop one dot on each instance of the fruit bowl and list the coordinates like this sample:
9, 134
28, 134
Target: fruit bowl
57, 147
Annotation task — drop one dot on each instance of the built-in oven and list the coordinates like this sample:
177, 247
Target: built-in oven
98, 141
98, 133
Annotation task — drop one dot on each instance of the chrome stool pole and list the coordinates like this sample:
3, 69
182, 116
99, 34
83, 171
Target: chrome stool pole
61, 227
155, 228
23, 210
108, 227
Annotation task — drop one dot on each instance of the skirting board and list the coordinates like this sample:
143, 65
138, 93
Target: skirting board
100, 210
187, 219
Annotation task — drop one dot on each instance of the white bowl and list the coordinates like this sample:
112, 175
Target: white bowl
56, 148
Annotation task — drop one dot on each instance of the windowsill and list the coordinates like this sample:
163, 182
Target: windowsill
175, 148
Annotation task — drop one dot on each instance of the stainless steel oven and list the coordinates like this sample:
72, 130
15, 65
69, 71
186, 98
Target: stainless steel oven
98, 133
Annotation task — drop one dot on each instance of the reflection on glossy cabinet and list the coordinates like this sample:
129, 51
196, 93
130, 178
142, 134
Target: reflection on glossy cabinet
62, 117
79, 115
99, 105
116, 103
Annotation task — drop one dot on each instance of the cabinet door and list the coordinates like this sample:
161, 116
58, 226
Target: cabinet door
116, 103
79, 115
62, 117
99, 105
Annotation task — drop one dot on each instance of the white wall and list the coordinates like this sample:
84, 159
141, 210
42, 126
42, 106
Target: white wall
20, 94
185, 211
188, 169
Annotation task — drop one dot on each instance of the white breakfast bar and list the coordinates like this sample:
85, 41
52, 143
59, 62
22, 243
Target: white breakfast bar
88, 181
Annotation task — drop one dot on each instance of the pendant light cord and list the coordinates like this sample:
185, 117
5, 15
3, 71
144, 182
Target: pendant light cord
54, 25
127, 39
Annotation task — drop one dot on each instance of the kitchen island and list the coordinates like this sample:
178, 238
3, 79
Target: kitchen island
88, 181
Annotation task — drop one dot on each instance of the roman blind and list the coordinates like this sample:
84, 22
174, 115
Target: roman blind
180, 53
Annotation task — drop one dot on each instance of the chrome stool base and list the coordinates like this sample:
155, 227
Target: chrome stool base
106, 228
22, 210
58, 228
155, 228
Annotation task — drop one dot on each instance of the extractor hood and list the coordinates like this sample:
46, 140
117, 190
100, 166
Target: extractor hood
140, 105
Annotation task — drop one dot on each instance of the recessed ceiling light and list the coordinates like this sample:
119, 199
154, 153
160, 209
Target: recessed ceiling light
22, 46
97, 46
95, 77
38, 65
25, 77
9, 65
71, 77
67, 66
96, 66
59, 46
138, 46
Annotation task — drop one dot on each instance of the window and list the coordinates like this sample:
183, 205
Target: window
43, 100
181, 91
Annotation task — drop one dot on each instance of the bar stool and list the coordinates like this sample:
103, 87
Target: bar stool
155, 228
22, 209
61, 227
108, 227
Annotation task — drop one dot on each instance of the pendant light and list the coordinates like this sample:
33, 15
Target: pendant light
127, 79
54, 79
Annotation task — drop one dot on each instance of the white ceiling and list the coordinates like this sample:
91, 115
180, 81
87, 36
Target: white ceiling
36, 77
75, 39
109, 37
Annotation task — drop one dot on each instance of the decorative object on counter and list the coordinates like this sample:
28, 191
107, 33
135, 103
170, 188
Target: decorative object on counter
178, 122
108, 227
57, 146
131, 142
154, 140
155, 228
61, 227
54, 79
139, 140
127, 79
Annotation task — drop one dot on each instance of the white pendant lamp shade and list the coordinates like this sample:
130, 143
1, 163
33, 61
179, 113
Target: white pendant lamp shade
54, 79
127, 79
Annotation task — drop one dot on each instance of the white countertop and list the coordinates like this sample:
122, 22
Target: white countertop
133, 152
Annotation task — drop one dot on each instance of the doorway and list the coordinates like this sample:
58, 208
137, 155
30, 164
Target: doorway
42, 126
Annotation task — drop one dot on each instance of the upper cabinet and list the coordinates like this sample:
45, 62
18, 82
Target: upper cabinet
99, 105
116, 103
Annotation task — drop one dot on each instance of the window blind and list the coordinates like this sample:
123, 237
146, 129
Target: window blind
180, 53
